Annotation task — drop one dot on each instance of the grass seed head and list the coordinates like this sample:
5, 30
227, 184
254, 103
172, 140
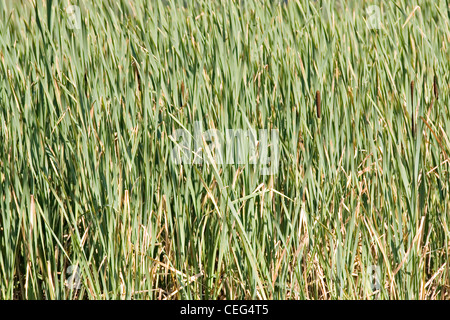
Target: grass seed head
318, 103
435, 88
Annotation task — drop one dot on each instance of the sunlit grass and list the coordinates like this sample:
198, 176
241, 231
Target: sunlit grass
87, 115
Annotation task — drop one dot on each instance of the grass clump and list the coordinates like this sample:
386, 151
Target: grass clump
87, 123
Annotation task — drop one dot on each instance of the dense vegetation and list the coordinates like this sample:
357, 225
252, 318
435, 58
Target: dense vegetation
87, 122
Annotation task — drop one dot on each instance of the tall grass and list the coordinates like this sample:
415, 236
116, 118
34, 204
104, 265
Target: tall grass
87, 118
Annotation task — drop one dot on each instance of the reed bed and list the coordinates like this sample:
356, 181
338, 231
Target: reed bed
89, 191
